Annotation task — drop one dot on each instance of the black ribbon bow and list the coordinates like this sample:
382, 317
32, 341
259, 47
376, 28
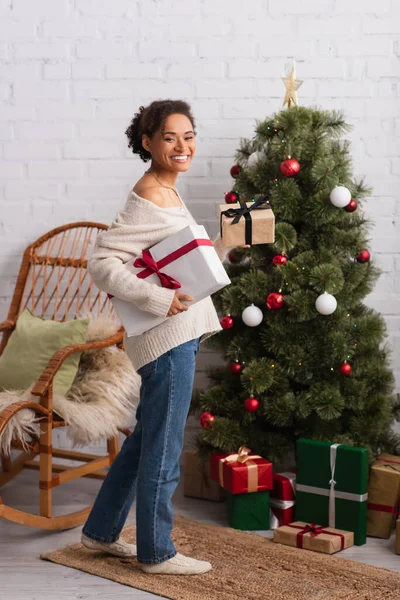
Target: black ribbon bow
245, 211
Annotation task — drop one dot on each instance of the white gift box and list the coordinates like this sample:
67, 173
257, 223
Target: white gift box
189, 257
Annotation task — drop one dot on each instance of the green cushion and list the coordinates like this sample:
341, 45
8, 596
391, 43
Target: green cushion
30, 347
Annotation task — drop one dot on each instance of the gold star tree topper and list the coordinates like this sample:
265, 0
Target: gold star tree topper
292, 85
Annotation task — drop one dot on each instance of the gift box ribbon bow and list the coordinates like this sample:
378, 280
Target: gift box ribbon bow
245, 211
314, 530
150, 266
243, 456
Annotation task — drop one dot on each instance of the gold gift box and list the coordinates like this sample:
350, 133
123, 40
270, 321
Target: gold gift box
383, 496
196, 479
262, 226
322, 542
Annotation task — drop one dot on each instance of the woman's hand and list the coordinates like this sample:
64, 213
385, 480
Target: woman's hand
176, 304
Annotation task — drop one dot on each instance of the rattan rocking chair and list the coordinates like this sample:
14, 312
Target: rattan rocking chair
54, 283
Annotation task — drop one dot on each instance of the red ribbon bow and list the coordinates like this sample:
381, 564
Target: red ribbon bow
147, 262
314, 530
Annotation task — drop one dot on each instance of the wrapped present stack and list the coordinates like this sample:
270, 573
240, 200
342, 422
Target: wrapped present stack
283, 499
332, 486
247, 223
314, 537
383, 496
248, 479
197, 482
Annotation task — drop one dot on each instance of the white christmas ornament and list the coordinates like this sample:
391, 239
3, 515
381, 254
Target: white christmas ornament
340, 196
252, 316
326, 304
254, 158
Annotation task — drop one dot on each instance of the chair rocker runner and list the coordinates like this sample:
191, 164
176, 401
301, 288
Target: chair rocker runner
53, 282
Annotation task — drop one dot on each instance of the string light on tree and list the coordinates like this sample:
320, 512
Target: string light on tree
340, 196
231, 197
252, 316
206, 420
326, 304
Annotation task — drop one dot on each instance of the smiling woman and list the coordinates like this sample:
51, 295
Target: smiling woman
165, 133
147, 466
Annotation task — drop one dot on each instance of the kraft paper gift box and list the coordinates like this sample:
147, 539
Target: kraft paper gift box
383, 496
282, 499
197, 482
187, 260
248, 511
314, 537
247, 223
243, 472
332, 486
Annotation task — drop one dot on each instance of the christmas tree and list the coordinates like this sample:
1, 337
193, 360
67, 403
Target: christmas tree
311, 360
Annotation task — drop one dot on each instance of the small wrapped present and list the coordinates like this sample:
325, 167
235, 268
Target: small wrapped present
197, 482
398, 536
248, 511
283, 499
314, 537
383, 495
186, 260
247, 223
241, 473
332, 486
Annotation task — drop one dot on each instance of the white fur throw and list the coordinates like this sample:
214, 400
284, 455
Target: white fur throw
103, 396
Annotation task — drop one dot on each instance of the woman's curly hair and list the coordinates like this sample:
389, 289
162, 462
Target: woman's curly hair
152, 118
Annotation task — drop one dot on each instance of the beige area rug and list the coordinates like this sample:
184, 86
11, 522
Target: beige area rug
246, 566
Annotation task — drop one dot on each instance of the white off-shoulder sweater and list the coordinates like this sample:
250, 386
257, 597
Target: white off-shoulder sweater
140, 225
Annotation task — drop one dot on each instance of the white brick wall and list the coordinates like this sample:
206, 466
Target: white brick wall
73, 72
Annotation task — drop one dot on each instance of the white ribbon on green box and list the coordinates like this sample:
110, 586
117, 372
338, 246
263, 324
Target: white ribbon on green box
331, 492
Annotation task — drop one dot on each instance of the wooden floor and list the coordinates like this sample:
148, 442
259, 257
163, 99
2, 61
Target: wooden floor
24, 576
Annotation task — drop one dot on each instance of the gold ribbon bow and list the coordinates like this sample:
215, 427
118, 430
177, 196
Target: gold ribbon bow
243, 456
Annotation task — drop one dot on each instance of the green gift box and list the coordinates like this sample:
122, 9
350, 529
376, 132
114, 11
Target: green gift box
248, 511
332, 486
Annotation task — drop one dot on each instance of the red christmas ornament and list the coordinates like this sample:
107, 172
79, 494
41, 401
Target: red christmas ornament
279, 259
234, 257
251, 404
206, 420
345, 369
351, 206
364, 256
231, 197
227, 322
290, 167
274, 301
235, 170
235, 367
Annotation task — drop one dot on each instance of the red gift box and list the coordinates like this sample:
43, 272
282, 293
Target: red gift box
241, 473
283, 499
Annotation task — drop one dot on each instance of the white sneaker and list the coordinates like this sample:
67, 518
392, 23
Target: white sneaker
178, 565
117, 548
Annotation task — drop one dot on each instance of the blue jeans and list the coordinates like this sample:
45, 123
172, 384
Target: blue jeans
147, 466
